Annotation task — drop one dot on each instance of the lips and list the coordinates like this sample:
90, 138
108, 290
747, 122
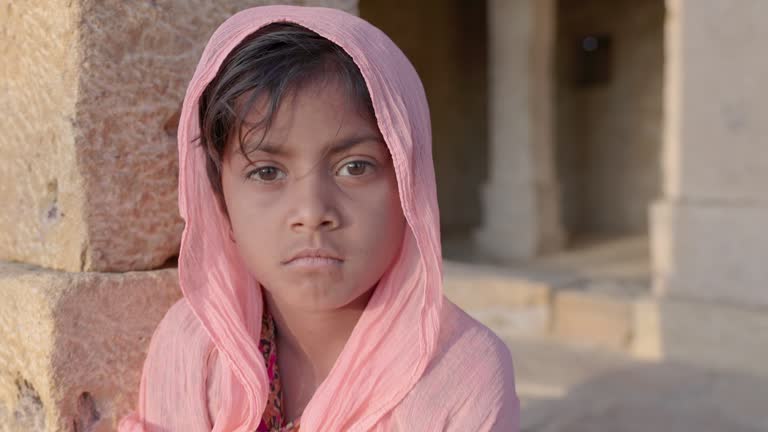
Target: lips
316, 255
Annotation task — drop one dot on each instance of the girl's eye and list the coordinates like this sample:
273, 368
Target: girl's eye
355, 168
267, 174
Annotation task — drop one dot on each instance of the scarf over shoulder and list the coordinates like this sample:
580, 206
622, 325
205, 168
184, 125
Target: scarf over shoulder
414, 361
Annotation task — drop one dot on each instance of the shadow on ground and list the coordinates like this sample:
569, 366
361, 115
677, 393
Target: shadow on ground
655, 397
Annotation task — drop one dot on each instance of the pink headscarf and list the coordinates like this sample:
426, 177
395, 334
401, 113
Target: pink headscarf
402, 330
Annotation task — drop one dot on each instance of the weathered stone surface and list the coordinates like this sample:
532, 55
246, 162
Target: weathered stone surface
42, 218
711, 251
72, 344
88, 174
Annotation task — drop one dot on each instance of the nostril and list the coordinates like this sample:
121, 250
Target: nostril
329, 224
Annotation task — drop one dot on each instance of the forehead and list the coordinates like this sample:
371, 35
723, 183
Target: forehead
319, 113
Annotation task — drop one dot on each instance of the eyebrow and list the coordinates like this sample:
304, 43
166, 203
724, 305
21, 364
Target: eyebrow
338, 147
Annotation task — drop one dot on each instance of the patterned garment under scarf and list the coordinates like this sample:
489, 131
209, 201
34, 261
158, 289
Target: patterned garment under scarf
272, 420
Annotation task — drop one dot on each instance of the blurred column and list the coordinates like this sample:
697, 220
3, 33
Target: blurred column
710, 228
520, 200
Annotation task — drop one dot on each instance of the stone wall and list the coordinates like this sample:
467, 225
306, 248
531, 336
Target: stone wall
41, 187
89, 219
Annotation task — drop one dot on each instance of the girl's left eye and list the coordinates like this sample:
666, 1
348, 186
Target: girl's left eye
355, 168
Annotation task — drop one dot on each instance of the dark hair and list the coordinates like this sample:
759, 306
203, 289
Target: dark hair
275, 60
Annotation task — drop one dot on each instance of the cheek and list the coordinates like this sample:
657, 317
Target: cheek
394, 209
246, 218
242, 204
385, 222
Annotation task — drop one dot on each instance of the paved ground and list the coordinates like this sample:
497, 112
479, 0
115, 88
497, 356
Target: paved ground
565, 388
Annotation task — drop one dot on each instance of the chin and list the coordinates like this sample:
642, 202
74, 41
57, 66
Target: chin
314, 298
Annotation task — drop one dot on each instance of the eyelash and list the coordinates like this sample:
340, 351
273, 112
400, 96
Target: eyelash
251, 175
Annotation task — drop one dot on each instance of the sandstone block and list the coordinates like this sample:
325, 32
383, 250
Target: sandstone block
72, 344
711, 251
88, 173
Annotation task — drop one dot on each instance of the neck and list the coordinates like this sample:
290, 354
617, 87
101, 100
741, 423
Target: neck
314, 338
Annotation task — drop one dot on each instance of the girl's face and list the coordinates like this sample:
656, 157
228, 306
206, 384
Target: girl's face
321, 184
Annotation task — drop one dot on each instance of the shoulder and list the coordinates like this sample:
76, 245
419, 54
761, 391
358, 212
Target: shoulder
467, 344
471, 377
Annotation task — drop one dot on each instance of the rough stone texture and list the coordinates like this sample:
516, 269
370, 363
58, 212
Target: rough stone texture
505, 302
72, 344
711, 251
520, 198
42, 218
89, 151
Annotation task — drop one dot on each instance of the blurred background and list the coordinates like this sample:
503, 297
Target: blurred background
601, 165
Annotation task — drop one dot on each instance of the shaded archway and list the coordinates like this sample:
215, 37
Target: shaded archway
609, 74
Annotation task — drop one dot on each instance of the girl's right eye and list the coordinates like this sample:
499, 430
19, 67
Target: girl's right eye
266, 174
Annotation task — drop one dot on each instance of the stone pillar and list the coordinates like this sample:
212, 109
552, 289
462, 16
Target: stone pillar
89, 212
710, 228
520, 200
709, 231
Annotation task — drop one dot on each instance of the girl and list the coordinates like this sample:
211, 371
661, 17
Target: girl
310, 262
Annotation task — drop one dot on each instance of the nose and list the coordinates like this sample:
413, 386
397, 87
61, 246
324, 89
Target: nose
314, 204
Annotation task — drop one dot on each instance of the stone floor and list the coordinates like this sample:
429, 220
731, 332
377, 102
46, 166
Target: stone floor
566, 381
576, 389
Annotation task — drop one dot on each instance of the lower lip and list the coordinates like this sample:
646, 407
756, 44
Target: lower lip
314, 263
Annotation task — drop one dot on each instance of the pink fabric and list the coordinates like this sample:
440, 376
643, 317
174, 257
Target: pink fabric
414, 361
